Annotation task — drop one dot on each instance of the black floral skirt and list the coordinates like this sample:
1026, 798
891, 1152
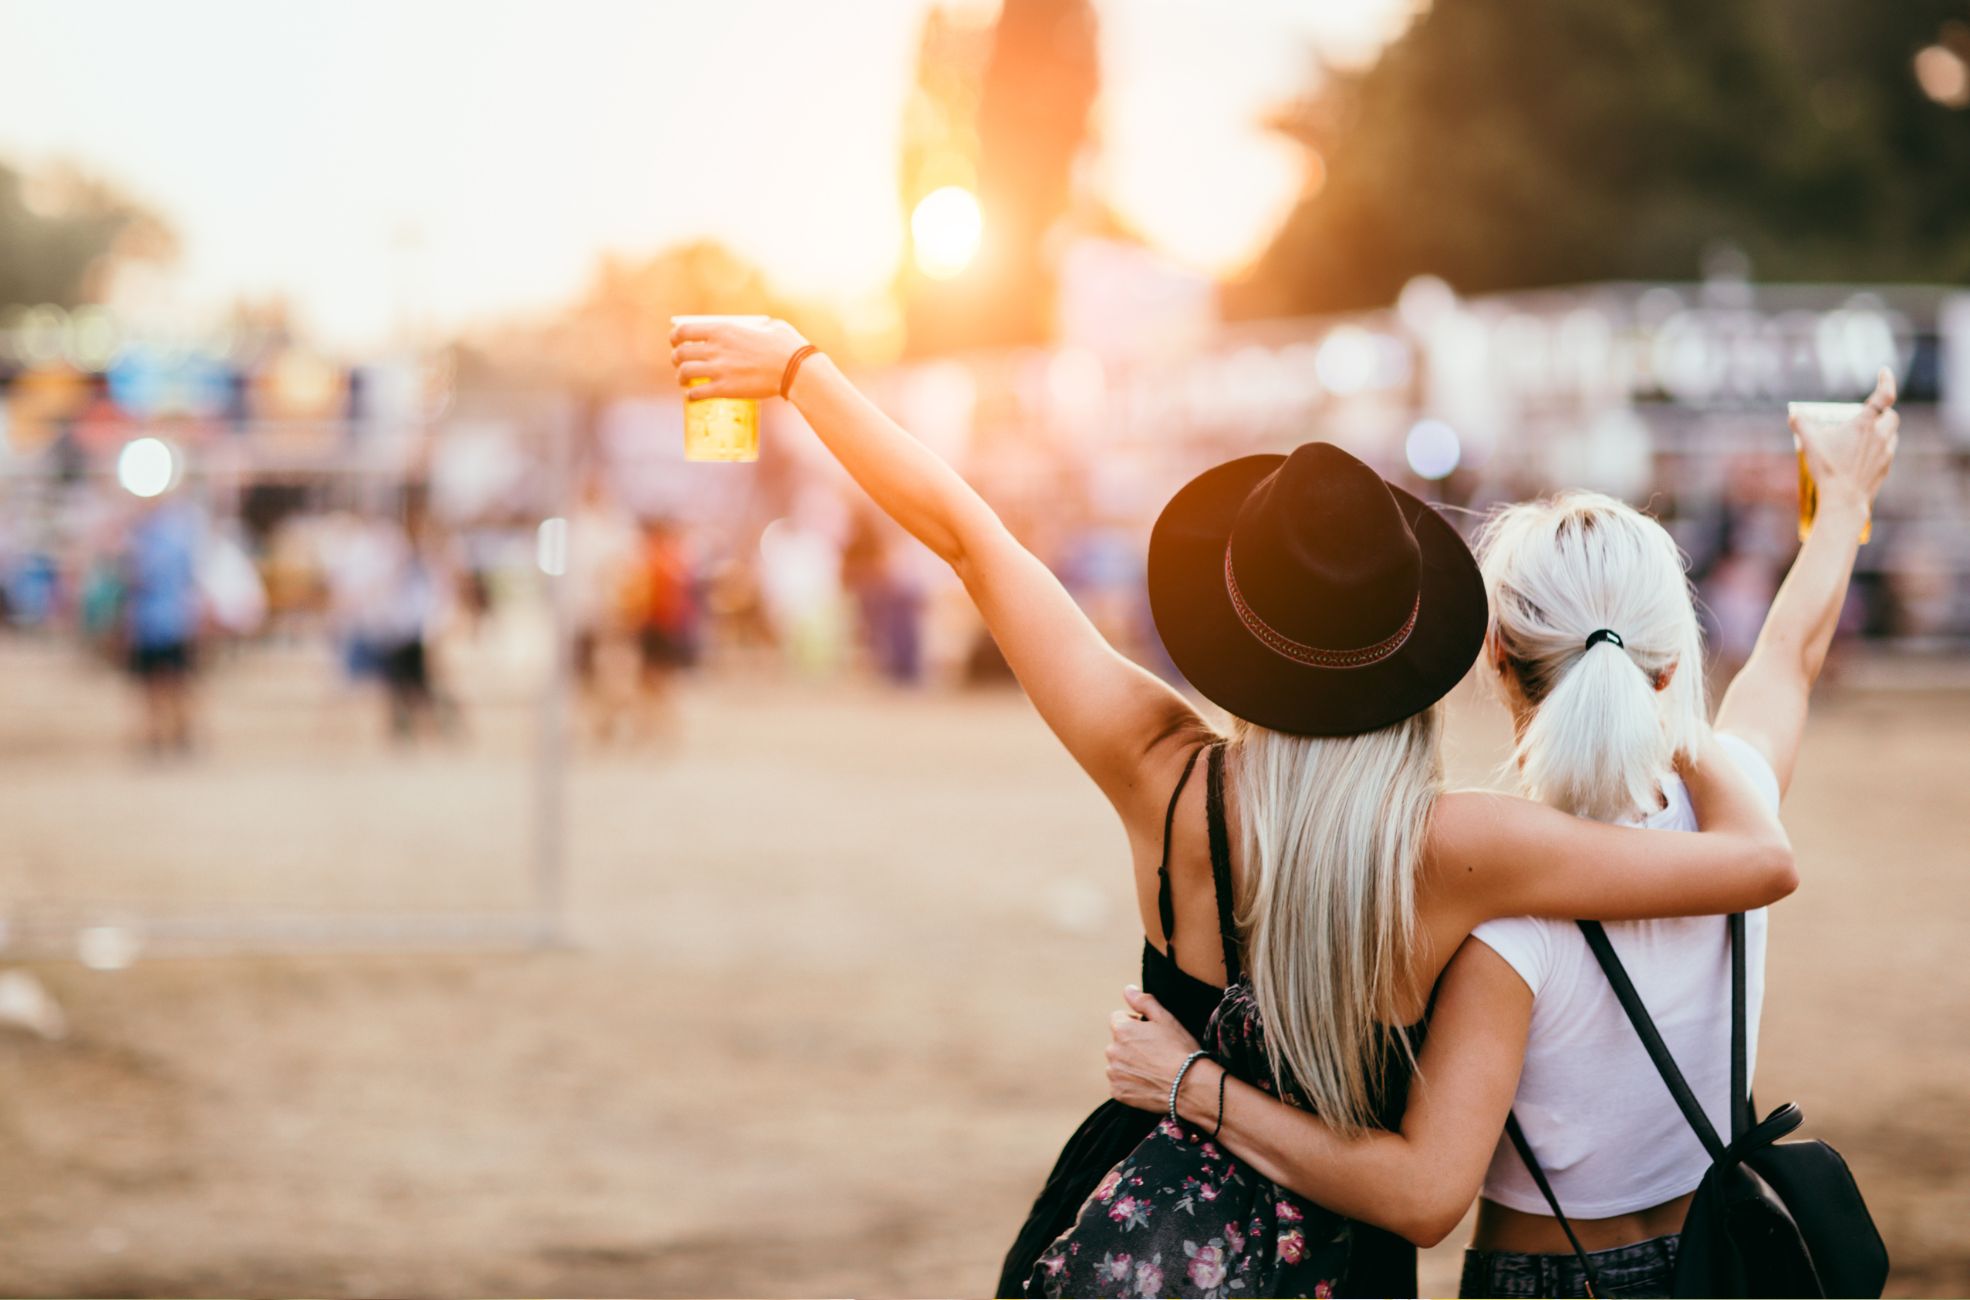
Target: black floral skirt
1181, 1216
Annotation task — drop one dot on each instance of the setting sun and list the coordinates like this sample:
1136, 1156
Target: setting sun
945, 230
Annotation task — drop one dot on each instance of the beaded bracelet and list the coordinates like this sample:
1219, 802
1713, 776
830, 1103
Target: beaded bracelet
1182, 1070
800, 354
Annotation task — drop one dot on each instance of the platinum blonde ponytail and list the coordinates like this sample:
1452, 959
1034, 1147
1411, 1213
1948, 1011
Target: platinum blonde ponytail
1601, 736
1332, 831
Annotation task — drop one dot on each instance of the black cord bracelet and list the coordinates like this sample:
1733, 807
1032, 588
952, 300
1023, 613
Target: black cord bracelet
1223, 1074
800, 354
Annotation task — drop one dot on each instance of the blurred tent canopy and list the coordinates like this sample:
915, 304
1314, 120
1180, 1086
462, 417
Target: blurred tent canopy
1506, 144
62, 231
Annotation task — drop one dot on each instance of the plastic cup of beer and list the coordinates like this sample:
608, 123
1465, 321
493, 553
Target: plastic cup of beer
720, 428
1828, 420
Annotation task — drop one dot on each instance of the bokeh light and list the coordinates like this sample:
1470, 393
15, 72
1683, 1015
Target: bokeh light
1943, 76
107, 947
1346, 360
1433, 449
945, 231
1424, 301
146, 467
551, 546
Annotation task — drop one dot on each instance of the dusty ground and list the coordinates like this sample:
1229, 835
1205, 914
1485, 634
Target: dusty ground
842, 967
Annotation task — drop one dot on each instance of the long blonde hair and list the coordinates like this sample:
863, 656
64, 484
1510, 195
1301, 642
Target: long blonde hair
1608, 720
1332, 829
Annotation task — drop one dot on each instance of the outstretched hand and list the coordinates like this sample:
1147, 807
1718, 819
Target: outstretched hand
732, 357
1852, 460
1146, 1049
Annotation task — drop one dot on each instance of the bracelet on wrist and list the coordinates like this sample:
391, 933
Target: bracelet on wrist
800, 354
1223, 1074
1176, 1084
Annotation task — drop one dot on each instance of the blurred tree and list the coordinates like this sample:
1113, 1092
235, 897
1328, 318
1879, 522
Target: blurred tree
615, 338
62, 232
1510, 143
1032, 94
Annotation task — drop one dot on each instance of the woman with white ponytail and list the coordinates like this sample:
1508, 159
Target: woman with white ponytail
1300, 900
1594, 645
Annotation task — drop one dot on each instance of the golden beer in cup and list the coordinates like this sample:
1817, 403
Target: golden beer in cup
1827, 420
720, 428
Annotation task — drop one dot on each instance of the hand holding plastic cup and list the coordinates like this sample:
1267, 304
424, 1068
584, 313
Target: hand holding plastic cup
1837, 431
720, 428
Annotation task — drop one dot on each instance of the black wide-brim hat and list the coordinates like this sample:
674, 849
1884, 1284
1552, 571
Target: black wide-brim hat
1307, 594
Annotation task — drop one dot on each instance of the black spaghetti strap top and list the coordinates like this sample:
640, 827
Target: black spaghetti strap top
1381, 1263
1114, 1130
1220, 847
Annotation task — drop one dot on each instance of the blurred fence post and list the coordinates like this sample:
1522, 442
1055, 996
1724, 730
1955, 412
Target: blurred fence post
551, 749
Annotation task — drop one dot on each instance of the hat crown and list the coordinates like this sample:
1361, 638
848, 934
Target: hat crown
1323, 553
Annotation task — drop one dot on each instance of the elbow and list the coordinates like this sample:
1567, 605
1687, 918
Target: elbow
1428, 1219
1781, 872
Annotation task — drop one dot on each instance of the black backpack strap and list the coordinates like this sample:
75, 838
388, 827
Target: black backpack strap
1234, 972
1665, 1064
1166, 911
1524, 1148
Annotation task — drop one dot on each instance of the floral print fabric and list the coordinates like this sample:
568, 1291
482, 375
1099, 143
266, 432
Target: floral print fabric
1181, 1216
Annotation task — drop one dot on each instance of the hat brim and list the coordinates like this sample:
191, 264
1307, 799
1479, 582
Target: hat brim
1233, 669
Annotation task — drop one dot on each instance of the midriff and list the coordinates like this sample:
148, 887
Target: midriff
1499, 1228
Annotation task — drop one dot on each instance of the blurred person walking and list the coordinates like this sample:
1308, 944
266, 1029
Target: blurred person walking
1322, 874
800, 585
413, 601
888, 600
161, 612
661, 603
602, 573
385, 600
1595, 648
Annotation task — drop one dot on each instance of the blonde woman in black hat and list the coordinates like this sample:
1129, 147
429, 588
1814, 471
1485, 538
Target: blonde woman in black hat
1320, 873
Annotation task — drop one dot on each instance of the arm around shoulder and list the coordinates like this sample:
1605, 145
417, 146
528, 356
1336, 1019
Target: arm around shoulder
1498, 855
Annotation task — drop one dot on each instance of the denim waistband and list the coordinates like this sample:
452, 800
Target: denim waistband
1642, 1268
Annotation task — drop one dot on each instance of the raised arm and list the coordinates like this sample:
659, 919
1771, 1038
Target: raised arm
1496, 855
1766, 703
1416, 1183
1108, 712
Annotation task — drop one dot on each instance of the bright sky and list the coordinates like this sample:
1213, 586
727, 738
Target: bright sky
465, 158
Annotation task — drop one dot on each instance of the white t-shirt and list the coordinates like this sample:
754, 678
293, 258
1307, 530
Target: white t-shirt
1593, 1108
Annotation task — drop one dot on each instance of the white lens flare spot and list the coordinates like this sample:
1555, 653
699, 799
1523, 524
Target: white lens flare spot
146, 467
1433, 449
107, 947
551, 546
945, 231
1346, 360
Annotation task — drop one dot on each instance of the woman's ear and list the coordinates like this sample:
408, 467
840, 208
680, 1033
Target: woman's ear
1663, 678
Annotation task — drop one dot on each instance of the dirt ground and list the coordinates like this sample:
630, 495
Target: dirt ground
841, 966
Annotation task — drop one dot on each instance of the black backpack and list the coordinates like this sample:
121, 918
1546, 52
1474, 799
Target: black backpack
1770, 1218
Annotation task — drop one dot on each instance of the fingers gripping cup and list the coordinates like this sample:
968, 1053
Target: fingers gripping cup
1827, 421
720, 428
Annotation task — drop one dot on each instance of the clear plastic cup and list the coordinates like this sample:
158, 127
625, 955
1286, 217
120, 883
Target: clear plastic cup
720, 428
1828, 420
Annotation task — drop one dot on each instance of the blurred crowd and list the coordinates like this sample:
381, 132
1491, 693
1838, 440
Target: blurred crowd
808, 580
411, 521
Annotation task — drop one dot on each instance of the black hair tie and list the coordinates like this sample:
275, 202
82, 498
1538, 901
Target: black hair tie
1599, 635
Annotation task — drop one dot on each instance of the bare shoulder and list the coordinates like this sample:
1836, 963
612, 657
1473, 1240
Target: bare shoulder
1466, 826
